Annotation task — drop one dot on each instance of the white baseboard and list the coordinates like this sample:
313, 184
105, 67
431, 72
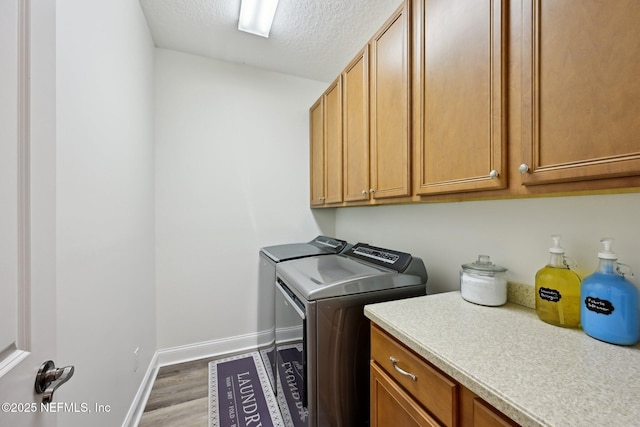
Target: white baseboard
187, 353
289, 334
140, 400
214, 348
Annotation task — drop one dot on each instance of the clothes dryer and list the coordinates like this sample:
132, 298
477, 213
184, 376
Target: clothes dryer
269, 256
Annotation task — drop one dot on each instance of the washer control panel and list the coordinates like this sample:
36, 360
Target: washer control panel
335, 245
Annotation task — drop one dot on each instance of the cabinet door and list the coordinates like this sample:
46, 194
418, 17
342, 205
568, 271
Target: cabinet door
392, 407
459, 95
333, 143
316, 131
485, 415
355, 114
390, 108
581, 115
474, 412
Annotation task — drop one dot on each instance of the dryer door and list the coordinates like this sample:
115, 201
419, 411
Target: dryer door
291, 357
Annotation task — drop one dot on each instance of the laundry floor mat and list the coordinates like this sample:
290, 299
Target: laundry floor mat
240, 394
290, 385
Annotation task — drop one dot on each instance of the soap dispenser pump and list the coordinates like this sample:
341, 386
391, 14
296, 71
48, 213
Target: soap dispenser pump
610, 302
558, 290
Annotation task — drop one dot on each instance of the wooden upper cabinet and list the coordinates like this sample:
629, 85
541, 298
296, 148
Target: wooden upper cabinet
581, 90
325, 120
333, 142
459, 96
390, 107
355, 114
316, 131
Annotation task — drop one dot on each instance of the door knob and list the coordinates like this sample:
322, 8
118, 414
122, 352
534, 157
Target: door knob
49, 378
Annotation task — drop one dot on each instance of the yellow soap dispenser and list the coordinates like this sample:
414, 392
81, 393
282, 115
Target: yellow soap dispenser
558, 290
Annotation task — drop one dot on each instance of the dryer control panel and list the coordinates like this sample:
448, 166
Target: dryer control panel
397, 261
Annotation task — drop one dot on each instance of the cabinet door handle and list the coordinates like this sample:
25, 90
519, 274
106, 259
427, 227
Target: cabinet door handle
523, 168
394, 362
493, 174
364, 192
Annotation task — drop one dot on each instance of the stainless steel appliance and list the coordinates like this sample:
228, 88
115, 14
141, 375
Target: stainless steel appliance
322, 336
269, 257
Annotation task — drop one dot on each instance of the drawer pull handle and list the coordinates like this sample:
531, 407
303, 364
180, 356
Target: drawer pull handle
394, 361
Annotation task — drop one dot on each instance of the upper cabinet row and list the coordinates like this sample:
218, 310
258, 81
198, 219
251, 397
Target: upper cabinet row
468, 99
360, 125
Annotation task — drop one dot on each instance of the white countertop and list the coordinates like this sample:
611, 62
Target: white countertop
536, 373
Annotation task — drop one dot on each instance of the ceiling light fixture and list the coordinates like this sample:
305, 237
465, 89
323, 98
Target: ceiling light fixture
256, 16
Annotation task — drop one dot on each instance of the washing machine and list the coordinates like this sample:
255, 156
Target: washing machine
322, 335
268, 257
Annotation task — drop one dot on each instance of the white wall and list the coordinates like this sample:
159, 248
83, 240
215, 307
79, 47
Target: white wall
232, 161
515, 233
105, 191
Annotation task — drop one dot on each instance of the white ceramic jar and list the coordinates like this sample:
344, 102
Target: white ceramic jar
483, 282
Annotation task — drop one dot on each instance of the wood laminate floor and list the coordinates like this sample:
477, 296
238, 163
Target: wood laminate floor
179, 397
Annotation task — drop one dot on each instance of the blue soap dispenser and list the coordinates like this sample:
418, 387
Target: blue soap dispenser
609, 302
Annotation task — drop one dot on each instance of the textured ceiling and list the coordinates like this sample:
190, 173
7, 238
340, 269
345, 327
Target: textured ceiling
314, 39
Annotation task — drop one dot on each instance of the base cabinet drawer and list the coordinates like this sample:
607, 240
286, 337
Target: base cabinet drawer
422, 381
392, 406
406, 390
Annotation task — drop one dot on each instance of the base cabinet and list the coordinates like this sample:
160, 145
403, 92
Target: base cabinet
406, 390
